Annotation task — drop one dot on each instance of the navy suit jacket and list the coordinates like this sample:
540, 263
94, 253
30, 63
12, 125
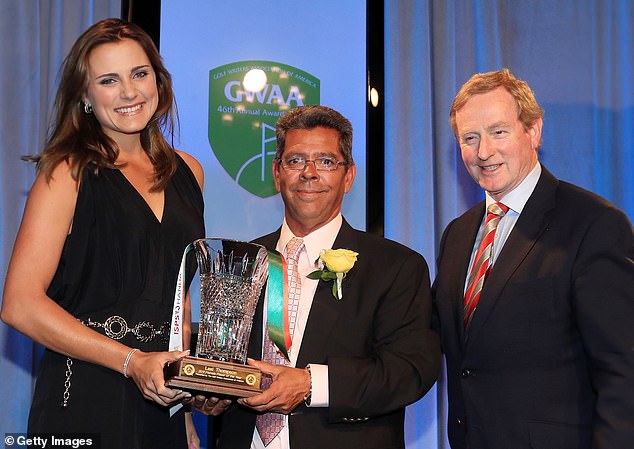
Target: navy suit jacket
548, 360
377, 343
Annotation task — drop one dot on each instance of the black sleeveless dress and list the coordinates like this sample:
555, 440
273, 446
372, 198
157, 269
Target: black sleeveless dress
119, 260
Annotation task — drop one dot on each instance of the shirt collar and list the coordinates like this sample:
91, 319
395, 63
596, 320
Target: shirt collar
516, 199
322, 238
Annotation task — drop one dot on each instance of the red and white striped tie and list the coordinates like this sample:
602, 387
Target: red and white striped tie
482, 262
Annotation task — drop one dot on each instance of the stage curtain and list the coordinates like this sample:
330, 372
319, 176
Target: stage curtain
578, 58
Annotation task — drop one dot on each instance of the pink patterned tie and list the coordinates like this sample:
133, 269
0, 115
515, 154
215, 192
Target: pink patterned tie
481, 262
270, 424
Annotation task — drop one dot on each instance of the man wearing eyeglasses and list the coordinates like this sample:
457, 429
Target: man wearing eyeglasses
361, 351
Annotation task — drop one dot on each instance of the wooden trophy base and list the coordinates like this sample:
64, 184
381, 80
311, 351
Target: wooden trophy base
211, 376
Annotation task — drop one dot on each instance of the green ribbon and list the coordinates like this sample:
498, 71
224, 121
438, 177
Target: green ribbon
277, 309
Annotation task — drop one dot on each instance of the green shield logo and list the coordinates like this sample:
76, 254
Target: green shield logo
242, 116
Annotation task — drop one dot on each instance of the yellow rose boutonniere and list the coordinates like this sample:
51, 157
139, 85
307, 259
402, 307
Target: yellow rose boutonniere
337, 263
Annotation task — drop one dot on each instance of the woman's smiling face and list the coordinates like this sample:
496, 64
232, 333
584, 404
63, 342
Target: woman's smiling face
121, 88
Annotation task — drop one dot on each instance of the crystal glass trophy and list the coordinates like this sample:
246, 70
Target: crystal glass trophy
232, 274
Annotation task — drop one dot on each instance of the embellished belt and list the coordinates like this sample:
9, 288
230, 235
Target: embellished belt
117, 327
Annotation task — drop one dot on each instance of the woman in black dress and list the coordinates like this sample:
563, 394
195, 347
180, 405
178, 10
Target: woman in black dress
95, 263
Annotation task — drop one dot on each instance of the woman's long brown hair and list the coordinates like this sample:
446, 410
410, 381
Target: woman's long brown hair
77, 137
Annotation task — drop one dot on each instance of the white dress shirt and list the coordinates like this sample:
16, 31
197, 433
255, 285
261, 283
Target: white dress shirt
322, 238
515, 200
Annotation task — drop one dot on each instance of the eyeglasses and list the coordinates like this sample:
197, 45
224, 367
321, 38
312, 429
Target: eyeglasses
321, 163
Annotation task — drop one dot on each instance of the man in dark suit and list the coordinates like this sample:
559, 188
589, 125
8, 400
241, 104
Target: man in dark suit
370, 351
537, 331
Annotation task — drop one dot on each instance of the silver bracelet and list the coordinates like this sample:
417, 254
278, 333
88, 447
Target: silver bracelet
308, 397
127, 360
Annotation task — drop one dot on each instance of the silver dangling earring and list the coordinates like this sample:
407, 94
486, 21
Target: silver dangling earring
87, 108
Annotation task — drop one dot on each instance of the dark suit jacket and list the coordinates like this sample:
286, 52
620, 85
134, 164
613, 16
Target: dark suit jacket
548, 360
377, 343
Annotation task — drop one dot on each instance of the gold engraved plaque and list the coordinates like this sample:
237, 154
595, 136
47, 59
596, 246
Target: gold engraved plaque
213, 376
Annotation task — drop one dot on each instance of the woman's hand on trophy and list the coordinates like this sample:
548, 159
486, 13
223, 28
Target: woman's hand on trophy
288, 389
212, 405
146, 369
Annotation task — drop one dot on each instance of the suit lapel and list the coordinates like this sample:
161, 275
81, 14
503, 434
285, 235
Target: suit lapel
325, 309
532, 222
468, 225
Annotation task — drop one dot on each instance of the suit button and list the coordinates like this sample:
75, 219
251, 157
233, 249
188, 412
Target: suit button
465, 373
459, 421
